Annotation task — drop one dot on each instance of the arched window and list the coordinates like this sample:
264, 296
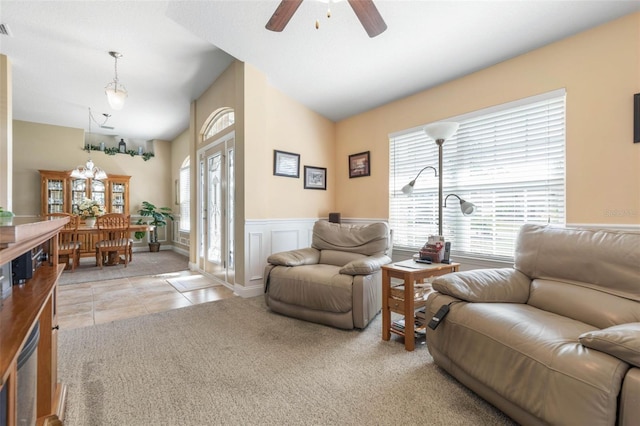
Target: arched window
185, 196
221, 120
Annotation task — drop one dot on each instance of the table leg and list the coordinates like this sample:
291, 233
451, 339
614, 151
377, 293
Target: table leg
386, 312
409, 323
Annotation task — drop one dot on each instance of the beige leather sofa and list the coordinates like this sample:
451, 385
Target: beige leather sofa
556, 339
337, 281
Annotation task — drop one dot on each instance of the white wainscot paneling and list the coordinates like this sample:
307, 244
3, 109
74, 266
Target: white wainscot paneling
255, 249
284, 240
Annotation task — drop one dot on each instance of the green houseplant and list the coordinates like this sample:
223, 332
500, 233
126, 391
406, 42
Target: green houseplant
159, 216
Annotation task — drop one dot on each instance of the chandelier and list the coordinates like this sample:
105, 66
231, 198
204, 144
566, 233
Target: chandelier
89, 170
116, 93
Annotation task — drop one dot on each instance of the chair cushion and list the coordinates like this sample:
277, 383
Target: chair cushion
112, 243
365, 239
72, 245
320, 287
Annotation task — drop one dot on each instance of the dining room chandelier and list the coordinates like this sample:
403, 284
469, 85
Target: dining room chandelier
115, 91
89, 170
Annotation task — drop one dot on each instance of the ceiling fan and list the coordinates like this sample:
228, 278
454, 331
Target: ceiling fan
365, 10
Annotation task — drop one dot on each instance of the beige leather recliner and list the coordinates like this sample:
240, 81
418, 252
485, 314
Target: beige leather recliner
556, 338
337, 281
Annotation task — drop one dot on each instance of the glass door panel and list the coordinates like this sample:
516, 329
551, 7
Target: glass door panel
55, 196
217, 211
117, 197
78, 193
98, 192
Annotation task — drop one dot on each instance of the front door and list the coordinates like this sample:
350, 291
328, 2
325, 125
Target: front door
216, 254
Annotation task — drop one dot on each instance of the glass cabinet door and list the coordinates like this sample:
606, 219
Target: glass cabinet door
98, 192
117, 197
78, 193
55, 196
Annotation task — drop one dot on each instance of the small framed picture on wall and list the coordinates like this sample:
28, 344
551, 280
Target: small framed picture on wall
286, 164
359, 165
315, 177
636, 118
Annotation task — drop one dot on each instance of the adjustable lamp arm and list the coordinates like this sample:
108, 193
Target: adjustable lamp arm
466, 207
408, 188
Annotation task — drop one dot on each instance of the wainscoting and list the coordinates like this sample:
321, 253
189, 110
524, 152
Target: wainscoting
265, 237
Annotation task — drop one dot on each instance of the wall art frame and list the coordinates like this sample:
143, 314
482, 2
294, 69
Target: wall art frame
636, 118
315, 177
359, 164
286, 164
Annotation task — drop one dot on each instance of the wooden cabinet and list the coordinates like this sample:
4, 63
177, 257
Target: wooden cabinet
62, 193
29, 306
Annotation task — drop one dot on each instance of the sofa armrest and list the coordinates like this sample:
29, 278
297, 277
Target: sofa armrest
365, 266
504, 285
629, 411
305, 256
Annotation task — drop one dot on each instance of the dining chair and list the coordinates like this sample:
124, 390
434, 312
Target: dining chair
68, 240
113, 239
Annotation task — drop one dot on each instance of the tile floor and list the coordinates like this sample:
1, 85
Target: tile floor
86, 304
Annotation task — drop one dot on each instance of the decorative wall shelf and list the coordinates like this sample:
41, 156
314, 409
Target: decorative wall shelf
113, 151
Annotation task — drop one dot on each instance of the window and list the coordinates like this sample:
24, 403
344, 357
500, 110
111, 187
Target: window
185, 196
220, 121
507, 160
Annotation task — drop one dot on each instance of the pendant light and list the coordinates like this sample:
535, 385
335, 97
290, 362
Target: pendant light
115, 91
89, 170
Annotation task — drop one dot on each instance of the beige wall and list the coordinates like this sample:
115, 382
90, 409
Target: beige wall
60, 148
600, 70
276, 122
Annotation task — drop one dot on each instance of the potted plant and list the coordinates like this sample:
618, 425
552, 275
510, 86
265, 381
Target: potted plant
159, 217
6, 217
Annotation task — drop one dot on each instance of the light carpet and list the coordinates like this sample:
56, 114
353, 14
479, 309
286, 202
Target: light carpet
233, 362
143, 263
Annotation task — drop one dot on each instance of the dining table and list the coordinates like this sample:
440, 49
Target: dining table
89, 236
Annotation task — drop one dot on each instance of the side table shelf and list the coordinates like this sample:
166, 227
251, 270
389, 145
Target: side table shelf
408, 297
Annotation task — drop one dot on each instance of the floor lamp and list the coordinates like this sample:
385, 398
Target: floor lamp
440, 132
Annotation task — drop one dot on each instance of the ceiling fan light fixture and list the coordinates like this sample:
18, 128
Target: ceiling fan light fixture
116, 93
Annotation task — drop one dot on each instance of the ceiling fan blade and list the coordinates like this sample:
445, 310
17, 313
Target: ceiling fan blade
282, 15
369, 16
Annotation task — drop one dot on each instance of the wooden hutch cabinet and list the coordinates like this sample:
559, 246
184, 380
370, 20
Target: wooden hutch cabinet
62, 194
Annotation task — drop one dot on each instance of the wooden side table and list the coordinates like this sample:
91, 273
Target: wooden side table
409, 272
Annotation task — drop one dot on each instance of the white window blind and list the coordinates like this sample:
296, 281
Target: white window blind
508, 160
185, 197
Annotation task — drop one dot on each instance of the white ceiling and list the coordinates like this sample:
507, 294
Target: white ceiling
173, 50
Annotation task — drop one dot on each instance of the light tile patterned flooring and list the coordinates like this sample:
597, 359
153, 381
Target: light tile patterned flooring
86, 304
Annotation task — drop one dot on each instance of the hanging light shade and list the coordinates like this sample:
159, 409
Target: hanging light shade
115, 91
89, 171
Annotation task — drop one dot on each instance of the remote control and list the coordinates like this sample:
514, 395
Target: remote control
438, 317
422, 260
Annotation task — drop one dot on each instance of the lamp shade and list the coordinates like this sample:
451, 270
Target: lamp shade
442, 130
408, 188
467, 207
116, 95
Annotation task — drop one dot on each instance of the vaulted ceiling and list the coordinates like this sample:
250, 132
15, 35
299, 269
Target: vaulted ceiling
173, 50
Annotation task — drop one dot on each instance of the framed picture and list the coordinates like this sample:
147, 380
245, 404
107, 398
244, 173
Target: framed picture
286, 164
359, 165
315, 177
636, 118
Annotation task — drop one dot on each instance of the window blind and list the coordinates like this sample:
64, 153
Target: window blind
508, 160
